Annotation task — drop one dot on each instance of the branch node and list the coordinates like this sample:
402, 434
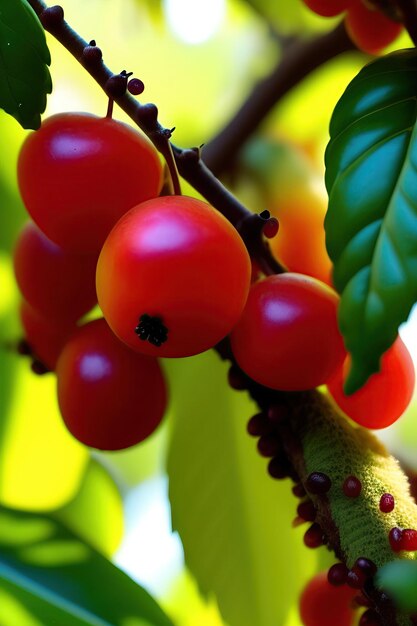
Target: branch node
147, 115
52, 17
116, 85
92, 54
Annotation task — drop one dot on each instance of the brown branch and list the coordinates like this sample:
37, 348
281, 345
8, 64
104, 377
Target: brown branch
300, 59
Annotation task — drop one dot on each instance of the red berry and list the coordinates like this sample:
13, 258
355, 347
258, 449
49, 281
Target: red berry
173, 277
365, 566
337, 574
45, 337
135, 86
322, 604
387, 503
287, 337
58, 284
307, 511
355, 579
385, 396
409, 540
370, 29
328, 8
395, 538
352, 487
318, 483
110, 397
78, 174
313, 537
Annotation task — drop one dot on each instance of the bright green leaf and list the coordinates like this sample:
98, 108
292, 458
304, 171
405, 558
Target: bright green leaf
399, 580
96, 513
41, 464
24, 60
61, 580
233, 519
371, 224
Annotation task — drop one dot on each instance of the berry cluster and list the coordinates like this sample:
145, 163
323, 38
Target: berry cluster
369, 29
172, 278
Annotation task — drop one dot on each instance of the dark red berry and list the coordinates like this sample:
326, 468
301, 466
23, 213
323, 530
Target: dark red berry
337, 574
370, 618
307, 511
271, 228
352, 487
318, 483
236, 378
258, 425
313, 537
299, 491
355, 579
277, 412
365, 566
409, 540
387, 503
268, 445
395, 536
279, 467
135, 86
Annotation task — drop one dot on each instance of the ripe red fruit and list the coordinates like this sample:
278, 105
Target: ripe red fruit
323, 604
110, 397
385, 396
56, 283
173, 277
78, 174
287, 337
370, 29
45, 337
328, 8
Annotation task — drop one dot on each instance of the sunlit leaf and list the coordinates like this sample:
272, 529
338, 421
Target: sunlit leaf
61, 580
41, 464
371, 224
96, 513
24, 60
234, 520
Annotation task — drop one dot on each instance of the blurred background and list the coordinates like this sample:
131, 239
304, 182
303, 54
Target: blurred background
244, 563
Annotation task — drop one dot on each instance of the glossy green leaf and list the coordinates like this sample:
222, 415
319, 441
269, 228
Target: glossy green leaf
233, 519
61, 580
24, 58
371, 224
96, 512
399, 580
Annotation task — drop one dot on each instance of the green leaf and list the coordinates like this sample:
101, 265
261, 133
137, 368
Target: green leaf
24, 58
96, 512
399, 580
233, 519
371, 224
61, 580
